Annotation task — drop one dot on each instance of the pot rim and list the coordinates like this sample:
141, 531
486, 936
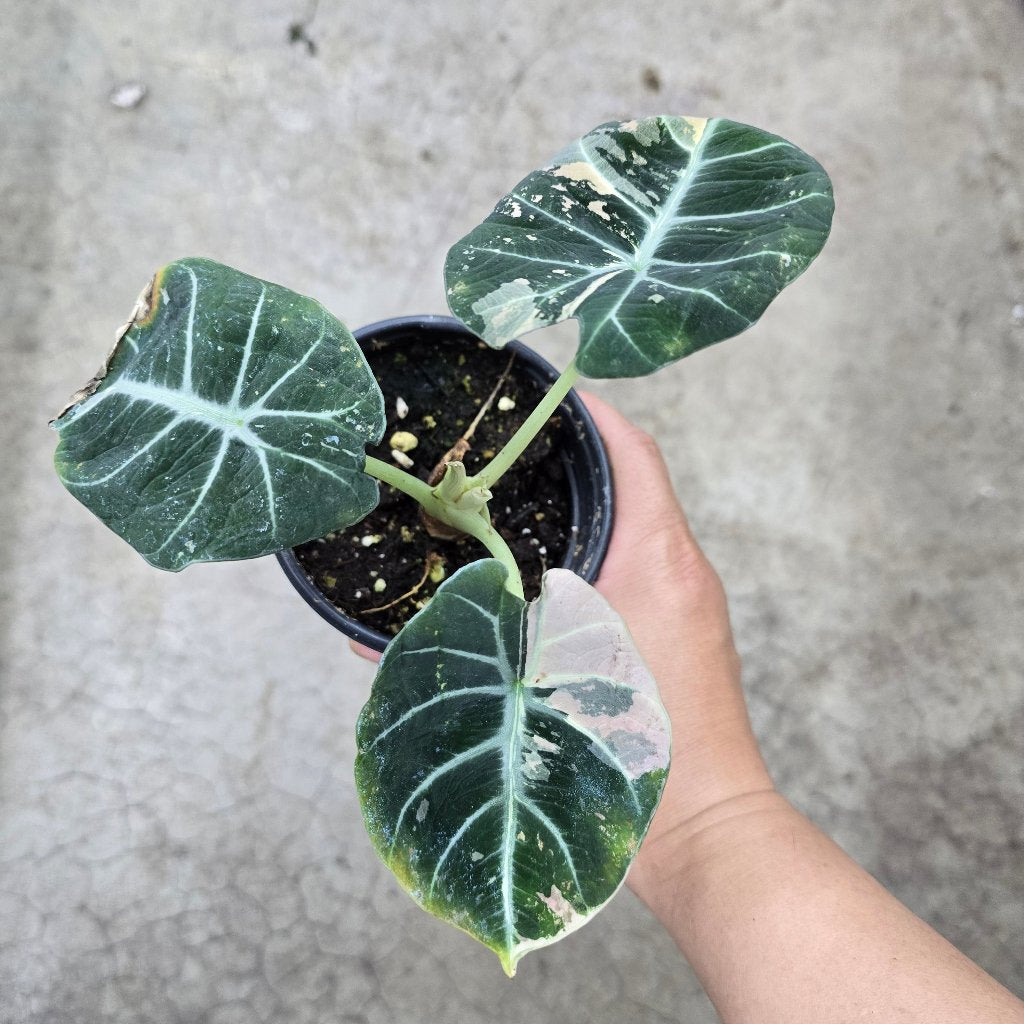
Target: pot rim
587, 437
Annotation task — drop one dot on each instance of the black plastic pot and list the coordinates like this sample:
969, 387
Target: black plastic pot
582, 454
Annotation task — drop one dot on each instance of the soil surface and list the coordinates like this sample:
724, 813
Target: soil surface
384, 569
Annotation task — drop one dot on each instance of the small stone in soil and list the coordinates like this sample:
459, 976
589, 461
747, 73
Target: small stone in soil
403, 441
397, 541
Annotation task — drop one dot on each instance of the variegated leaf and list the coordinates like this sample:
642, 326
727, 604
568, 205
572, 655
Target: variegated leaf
229, 421
660, 236
511, 756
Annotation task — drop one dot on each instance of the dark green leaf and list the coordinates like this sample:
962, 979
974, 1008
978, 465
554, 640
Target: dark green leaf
229, 421
511, 756
661, 236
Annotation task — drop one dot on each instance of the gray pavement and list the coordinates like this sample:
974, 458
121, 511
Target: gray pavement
179, 836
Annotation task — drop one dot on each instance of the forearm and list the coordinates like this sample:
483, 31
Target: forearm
783, 928
780, 925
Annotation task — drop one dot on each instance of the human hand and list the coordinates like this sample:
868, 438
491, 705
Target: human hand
658, 579
779, 924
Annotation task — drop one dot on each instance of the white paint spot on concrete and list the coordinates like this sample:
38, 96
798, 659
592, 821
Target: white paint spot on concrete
421, 811
127, 95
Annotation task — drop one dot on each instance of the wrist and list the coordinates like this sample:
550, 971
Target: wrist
715, 757
685, 854
717, 770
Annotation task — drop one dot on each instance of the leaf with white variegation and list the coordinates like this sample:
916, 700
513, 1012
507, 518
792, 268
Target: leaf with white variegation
229, 421
660, 236
511, 756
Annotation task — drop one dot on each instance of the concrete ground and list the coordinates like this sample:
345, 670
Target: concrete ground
179, 837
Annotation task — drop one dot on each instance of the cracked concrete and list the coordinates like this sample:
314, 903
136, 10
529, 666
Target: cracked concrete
179, 838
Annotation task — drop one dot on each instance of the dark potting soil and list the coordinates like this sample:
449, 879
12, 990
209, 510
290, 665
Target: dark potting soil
385, 568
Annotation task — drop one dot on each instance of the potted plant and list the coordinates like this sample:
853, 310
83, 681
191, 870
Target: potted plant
450, 396
511, 752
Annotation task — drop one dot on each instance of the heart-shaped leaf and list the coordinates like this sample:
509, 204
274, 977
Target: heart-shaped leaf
229, 421
511, 756
660, 236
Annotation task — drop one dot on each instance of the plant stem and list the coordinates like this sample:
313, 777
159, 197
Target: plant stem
473, 523
402, 481
481, 529
520, 440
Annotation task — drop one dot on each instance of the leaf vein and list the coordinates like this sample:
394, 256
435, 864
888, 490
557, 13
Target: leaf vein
613, 759
496, 691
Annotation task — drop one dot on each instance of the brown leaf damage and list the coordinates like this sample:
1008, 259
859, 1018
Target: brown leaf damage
142, 315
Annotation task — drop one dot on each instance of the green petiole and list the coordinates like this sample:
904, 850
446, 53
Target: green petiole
534, 423
442, 502
474, 522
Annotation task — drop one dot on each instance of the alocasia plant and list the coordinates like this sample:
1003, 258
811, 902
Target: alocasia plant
230, 421
511, 753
